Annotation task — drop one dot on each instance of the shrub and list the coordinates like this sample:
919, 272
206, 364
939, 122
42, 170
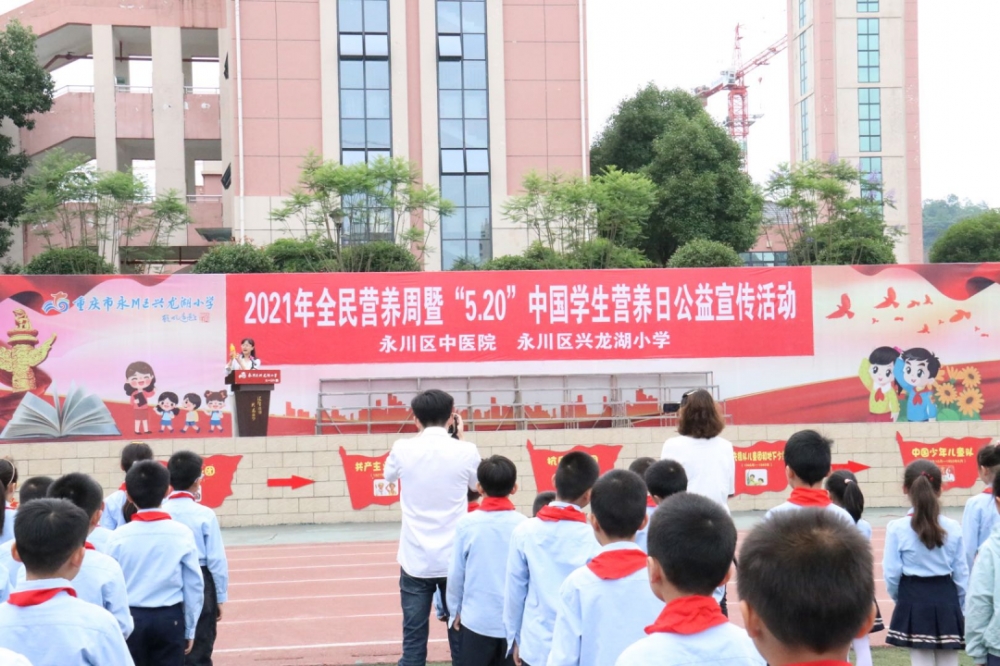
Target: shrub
602, 253
235, 258
378, 257
291, 255
703, 253
68, 261
971, 240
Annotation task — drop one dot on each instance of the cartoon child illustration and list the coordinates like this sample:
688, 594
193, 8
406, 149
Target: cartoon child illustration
140, 386
166, 407
191, 404
876, 374
915, 371
215, 401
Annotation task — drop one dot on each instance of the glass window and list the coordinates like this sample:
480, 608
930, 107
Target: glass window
350, 157
352, 133
451, 134
477, 222
450, 75
803, 65
450, 103
352, 74
475, 75
804, 121
477, 134
477, 190
377, 74
379, 134
475, 47
477, 161
377, 103
871, 183
352, 46
378, 154
352, 104
453, 189
449, 47
451, 251
349, 16
474, 251
449, 18
868, 53
453, 226
452, 161
376, 16
474, 17
870, 116
475, 104
867, 6
802, 13
376, 46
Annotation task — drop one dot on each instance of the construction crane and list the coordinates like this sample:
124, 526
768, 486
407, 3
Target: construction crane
739, 119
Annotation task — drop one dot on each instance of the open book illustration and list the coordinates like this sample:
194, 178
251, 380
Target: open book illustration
81, 414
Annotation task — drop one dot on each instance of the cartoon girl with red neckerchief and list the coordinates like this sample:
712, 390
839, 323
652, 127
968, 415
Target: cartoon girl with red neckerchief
140, 386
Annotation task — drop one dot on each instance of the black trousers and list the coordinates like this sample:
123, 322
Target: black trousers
204, 636
479, 650
158, 637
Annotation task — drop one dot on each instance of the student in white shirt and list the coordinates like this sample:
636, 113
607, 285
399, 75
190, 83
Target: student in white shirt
8, 484
806, 585
706, 457
692, 542
43, 620
544, 551
160, 561
100, 580
808, 458
182, 504
663, 478
478, 566
435, 473
116, 513
980, 515
607, 603
639, 466
37, 487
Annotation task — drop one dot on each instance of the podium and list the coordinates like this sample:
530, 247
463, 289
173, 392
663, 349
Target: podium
252, 391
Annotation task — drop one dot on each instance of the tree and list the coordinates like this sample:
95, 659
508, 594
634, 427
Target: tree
831, 213
378, 257
972, 240
939, 214
292, 255
703, 253
234, 258
68, 261
25, 89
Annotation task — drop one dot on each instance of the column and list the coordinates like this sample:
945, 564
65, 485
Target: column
168, 115
105, 130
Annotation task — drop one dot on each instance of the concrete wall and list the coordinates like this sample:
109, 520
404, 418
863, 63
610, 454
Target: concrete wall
327, 500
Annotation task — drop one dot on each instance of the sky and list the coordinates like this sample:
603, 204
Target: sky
684, 44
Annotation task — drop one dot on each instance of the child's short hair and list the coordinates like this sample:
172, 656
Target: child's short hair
542, 500
133, 453
809, 577
79, 489
433, 407
883, 356
497, 475
472, 496
694, 541
809, 455
147, 483
988, 456
665, 478
640, 465
575, 475
619, 503
47, 532
194, 399
185, 469
35, 488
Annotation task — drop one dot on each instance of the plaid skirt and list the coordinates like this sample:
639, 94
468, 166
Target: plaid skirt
928, 615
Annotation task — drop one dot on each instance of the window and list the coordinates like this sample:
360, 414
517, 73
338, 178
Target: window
870, 116
868, 51
802, 13
804, 121
867, 6
463, 131
764, 258
803, 62
871, 184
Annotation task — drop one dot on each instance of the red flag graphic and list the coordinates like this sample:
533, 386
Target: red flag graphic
760, 468
217, 485
955, 457
544, 462
366, 481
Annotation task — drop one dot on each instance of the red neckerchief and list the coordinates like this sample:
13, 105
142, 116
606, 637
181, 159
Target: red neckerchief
616, 564
122, 487
151, 516
987, 491
917, 400
650, 502
688, 615
879, 396
181, 494
552, 514
89, 546
810, 497
474, 506
36, 597
496, 504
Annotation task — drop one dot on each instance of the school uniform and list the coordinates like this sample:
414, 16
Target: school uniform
982, 606
642, 536
204, 525
99, 538
9, 564
811, 498
544, 551
690, 631
5, 586
45, 622
7, 534
866, 531
113, 518
159, 559
928, 586
978, 520
8, 658
604, 607
476, 579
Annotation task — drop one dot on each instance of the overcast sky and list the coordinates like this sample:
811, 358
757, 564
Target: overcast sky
679, 43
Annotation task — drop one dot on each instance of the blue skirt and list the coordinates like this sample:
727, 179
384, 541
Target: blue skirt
928, 615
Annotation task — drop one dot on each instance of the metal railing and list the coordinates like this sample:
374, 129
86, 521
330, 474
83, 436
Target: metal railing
201, 90
204, 198
66, 90
357, 406
140, 90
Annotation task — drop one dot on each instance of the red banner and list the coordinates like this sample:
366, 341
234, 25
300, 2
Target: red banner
544, 461
217, 483
522, 316
760, 468
955, 457
366, 482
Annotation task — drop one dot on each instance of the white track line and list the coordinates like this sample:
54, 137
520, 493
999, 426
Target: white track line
306, 557
268, 620
394, 593
320, 646
312, 580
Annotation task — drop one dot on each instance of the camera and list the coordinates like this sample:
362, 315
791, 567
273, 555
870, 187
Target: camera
671, 407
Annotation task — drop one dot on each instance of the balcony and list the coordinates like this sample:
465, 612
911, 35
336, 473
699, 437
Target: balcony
207, 225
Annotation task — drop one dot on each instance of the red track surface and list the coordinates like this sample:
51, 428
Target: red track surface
338, 603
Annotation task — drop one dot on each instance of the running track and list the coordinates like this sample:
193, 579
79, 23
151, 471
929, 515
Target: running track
338, 603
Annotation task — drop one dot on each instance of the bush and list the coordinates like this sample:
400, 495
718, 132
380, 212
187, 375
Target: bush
378, 257
703, 253
971, 240
291, 255
235, 258
602, 253
68, 261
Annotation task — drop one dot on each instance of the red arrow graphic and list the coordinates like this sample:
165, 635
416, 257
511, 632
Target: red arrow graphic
293, 482
850, 466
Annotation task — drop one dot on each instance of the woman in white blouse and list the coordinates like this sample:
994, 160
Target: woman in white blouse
706, 457
246, 360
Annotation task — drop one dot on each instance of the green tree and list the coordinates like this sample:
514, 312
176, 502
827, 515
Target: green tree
378, 257
971, 240
25, 89
292, 255
824, 219
703, 253
939, 214
68, 261
235, 258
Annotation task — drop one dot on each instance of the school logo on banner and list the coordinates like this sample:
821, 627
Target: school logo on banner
366, 482
217, 484
760, 468
544, 461
955, 457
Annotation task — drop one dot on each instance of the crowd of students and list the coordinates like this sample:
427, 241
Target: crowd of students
138, 577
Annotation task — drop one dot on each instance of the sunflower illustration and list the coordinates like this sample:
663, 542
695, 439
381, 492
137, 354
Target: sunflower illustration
946, 394
970, 402
970, 377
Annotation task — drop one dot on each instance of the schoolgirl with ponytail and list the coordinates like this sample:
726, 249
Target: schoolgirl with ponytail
8, 484
926, 573
980, 513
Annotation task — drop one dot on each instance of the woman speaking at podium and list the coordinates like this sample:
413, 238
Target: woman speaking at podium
246, 359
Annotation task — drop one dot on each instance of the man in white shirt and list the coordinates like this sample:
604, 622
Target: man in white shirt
435, 472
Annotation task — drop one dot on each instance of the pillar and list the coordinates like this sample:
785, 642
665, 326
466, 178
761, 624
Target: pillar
105, 129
